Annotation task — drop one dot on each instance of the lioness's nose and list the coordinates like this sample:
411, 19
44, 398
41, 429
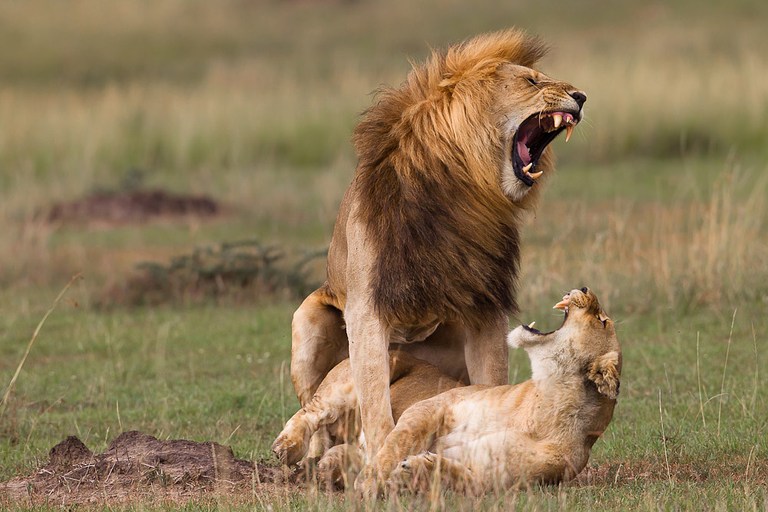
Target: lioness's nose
579, 96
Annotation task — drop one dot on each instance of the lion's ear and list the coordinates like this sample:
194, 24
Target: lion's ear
604, 372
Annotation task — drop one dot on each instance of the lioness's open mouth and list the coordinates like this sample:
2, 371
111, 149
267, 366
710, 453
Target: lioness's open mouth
533, 136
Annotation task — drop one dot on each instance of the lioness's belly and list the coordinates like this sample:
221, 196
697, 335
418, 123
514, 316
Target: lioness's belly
487, 434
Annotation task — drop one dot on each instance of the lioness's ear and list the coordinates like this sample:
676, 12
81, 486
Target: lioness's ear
604, 372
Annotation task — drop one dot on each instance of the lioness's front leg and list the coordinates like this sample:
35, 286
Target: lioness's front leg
414, 433
487, 354
417, 473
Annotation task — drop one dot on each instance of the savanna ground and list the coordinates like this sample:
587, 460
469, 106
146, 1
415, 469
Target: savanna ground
659, 204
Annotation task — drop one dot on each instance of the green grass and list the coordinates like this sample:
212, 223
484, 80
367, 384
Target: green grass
658, 204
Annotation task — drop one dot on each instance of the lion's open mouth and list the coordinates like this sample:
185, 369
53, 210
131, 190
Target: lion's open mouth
533, 136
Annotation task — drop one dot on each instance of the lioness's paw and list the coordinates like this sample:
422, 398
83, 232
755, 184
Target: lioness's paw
413, 473
289, 449
368, 486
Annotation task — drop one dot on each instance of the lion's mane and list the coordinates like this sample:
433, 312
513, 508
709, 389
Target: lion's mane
445, 236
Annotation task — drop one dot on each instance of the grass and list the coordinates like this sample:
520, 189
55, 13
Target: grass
658, 204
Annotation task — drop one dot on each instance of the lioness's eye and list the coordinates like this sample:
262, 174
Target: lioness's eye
532, 81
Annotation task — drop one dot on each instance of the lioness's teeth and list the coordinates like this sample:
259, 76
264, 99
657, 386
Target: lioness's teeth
528, 167
557, 119
530, 325
568, 132
535, 175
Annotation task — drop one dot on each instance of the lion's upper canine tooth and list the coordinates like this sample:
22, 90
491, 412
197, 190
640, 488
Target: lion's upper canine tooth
535, 175
557, 119
528, 167
568, 132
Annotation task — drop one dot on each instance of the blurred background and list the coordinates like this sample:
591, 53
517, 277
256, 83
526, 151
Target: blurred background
253, 103
209, 143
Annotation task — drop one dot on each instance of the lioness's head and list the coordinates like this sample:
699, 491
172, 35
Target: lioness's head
586, 344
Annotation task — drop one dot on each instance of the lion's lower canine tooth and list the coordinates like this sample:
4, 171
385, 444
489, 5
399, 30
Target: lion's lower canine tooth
557, 119
528, 167
530, 325
568, 132
535, 175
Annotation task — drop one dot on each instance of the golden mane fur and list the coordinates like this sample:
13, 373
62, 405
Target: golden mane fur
444, 234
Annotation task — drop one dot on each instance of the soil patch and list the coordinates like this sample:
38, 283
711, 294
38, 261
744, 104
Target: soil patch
138, 466
134, 206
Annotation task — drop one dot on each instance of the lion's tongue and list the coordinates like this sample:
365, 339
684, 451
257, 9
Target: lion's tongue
522, 151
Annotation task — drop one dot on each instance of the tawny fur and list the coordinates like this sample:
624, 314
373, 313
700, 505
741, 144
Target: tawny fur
425, 251
479, 438
334, 407
484, 438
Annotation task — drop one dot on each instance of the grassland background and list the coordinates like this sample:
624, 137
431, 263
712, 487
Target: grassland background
659, 204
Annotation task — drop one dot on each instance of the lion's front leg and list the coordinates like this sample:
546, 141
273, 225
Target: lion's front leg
487, 355
369, 358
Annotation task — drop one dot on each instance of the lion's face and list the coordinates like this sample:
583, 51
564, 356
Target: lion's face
533, 109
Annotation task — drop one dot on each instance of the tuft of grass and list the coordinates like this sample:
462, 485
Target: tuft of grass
241, 271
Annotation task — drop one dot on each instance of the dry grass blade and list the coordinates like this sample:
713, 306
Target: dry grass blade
725, 368
32, 342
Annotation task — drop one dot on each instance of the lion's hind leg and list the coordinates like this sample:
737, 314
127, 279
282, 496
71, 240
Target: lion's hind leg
318, 342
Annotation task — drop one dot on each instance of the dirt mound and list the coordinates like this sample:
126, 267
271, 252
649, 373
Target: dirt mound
138, 465
132, 207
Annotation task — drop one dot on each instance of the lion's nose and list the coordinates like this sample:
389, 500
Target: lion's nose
579, 96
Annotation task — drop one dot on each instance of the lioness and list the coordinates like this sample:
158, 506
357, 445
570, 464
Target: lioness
484, 437
425, 250
540, 431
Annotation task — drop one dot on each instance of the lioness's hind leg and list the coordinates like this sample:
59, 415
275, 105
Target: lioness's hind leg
334, 400
318, 343
340, 465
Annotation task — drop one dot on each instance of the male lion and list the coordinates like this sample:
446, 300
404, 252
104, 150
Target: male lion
425, 250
